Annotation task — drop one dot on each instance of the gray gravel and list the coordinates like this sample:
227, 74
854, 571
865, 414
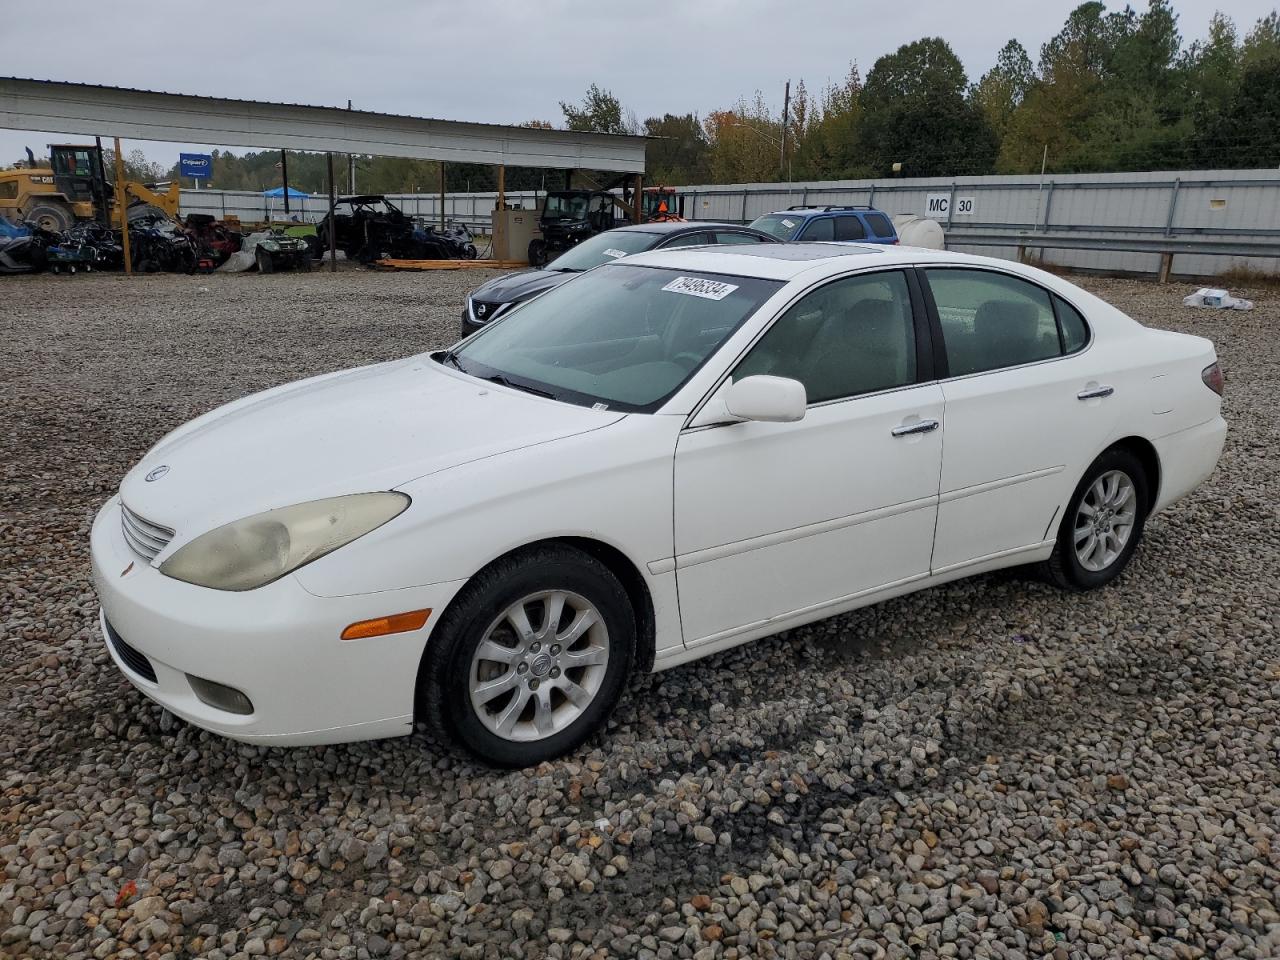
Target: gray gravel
988, 769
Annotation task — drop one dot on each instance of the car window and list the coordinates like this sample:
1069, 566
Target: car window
848, 337
849, 228
687, 240
1075, 333
992, 320
880, 224
734, 236
603, 248
821, 229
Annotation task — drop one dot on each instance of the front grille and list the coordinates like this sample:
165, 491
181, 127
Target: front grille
145, 538
133, 659
483, 310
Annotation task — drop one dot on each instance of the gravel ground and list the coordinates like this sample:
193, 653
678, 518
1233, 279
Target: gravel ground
987, 769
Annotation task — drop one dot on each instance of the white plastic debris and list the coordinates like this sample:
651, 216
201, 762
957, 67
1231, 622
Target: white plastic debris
1216, 299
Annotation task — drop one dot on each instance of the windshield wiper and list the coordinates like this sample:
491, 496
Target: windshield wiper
498, 378
566, 269
452, 360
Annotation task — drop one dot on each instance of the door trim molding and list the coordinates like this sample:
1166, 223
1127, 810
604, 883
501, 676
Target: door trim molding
707, 554
961, 492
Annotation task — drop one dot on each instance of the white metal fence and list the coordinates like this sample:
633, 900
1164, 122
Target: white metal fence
1208, 204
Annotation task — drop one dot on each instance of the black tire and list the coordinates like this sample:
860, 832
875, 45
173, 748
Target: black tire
443, 695
1064, 568
537, 253
264, 261
304, 263
147, 266
50, 215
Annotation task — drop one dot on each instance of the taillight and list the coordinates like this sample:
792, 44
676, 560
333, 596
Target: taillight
1213, 378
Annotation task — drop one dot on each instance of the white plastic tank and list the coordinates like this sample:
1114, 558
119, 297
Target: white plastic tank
916, 231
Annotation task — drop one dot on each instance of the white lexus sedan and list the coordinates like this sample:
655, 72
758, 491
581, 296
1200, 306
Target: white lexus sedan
665, 457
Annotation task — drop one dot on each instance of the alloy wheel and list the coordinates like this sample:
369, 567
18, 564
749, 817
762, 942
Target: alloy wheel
539, 665
1104, 520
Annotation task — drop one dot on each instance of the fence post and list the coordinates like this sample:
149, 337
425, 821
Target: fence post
1048, 202
745, 193
951, 204
1166, 267
871, 198
1173, 206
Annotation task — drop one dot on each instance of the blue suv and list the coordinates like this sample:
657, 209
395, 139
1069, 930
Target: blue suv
848, 224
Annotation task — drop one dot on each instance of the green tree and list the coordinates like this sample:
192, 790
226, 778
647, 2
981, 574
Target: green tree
826, 134
1003, 88
599, 112
745, 143
915, 112
679, 152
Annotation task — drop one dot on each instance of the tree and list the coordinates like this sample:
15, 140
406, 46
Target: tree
599, 112
745, 142
1263, 41
915, 112
679, 152
1003, 88
826, 136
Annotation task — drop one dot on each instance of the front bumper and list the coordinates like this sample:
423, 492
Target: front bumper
279, 645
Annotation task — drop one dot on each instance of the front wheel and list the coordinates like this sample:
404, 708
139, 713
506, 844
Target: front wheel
529, 660
264, 261
537, 253
1102, 525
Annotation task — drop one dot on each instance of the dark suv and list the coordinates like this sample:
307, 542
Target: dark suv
848, 224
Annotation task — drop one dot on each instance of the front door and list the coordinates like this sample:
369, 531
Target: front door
778, 520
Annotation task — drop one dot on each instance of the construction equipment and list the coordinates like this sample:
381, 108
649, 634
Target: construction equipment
75, 187
662, 205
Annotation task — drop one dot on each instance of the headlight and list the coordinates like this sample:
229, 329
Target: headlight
269, 244
250, 553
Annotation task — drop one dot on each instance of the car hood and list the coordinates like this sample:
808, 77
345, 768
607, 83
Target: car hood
516, 287
372, 428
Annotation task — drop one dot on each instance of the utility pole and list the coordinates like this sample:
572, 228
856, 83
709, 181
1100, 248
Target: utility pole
284, 179
786, 113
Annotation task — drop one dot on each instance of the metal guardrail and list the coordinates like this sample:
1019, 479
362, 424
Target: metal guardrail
1166, 247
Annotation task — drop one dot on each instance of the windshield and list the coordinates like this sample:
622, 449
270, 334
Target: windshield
625, 337
658, 204
602, 248
780, 225
570, 207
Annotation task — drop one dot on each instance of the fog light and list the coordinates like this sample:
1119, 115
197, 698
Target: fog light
220, 696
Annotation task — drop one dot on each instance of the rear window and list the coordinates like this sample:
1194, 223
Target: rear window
880, 224
850, 228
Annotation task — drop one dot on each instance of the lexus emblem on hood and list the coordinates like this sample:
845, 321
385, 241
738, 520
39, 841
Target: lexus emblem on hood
157, 473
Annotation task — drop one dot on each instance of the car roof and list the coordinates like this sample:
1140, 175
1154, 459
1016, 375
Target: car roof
677, 226
785, 261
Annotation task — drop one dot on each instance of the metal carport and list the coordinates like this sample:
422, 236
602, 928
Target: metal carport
88, 109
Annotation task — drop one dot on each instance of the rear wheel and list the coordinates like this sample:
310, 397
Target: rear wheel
1102, 525
530, 659
537, 253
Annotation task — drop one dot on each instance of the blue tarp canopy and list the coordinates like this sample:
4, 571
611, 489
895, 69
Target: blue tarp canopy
279, 192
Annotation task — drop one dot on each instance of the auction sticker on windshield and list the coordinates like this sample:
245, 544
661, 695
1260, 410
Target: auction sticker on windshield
615, 253
696, 287
788, 223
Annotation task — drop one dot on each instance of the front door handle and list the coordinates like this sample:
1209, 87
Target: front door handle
920, 426
1095, 393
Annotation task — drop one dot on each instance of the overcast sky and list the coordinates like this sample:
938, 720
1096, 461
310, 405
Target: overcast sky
509, 62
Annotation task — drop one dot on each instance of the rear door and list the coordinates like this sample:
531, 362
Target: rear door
1025, 412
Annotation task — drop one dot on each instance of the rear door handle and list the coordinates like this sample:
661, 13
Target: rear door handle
1095, 393
920, 426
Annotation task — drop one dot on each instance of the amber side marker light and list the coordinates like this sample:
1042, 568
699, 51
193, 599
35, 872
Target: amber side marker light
381, 626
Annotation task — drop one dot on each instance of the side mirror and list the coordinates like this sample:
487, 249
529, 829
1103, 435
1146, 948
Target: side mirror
767, 399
